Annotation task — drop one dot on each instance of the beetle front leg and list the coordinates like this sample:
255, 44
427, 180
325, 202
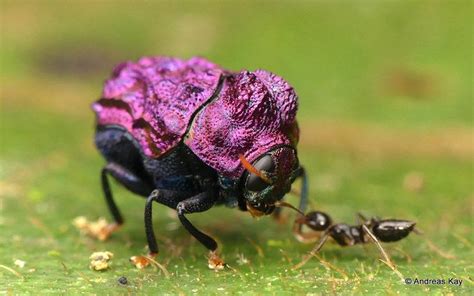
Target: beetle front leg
169, 198
298, 227
304, 190
195, 204
198, 203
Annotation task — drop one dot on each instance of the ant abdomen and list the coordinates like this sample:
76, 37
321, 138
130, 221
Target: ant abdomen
392, 230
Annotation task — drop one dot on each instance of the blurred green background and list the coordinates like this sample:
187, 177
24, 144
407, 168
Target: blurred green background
385, 113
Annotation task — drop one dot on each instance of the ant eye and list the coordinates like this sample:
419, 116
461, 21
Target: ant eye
254, 182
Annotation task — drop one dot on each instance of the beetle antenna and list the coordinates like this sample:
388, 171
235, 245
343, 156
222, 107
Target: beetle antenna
282, 204
249, 167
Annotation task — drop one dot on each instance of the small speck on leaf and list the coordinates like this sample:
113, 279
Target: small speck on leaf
122, 280
100, 260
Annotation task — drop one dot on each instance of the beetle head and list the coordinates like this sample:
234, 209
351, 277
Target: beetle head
268, 179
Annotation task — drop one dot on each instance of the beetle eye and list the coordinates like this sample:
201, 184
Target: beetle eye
254, 182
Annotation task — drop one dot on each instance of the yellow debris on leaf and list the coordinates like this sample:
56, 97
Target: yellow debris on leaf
100, 260
98, 229
140, 262
20, 263
215, 262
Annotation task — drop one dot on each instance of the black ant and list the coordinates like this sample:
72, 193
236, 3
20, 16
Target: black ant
374, 229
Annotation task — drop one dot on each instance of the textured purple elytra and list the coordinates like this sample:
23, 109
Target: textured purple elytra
155, 98
162, 100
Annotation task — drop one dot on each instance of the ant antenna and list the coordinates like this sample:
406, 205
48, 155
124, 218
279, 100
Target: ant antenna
251, 169
282, 204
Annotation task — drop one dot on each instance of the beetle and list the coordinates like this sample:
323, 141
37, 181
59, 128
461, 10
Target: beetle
189, 134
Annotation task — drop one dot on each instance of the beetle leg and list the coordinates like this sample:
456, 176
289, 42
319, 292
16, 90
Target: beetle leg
109, 197
298, 227
195, 204
130, 181
304, 190
198, 203
167, 197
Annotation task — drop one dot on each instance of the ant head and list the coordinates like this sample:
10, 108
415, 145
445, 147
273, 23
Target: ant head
268, 179
317, 221
392, 230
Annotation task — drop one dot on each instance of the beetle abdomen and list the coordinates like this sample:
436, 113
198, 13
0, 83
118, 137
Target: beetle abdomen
155, 98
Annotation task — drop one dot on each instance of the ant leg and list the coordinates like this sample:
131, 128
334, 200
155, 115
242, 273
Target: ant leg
379, 246
304, 237
313, 252
433, 246
387, 261
361, 218
321, 243
417, 231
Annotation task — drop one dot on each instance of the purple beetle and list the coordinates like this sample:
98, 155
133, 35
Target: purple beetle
189, 134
